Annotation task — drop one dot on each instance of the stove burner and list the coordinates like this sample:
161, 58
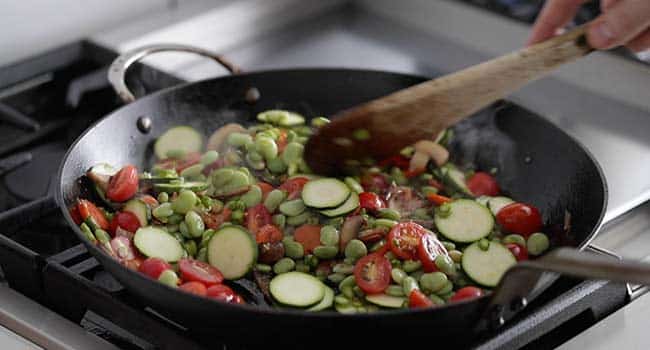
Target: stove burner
34, 179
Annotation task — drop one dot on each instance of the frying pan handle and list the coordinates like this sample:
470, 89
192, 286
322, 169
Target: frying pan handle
117, 71
516, 285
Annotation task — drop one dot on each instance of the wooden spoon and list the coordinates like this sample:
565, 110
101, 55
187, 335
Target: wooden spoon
382, 127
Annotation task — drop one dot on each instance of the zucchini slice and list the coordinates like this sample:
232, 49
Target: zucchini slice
486, 267
386, 300
325, 193
349, 205
496, 203
297, 289
467, 221
233, 251
456, 180
157, 243
326, 302
183, 138
140, 210
171, 187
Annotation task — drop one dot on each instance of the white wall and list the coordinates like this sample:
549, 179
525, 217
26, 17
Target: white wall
28, 27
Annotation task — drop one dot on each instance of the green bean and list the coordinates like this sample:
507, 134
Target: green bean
436, 299
202, 254
516, 239
353, 185
176, 153
445, 264
298, 219
266, 147
190, 247
184, 230
292, 153
456, 255
279, 220
237, 216
293, 207
311, 261
385, 223
207, 235
355, 249
449, 245
163, 197
409, 284
209, 157
284, 265
448, 287
390, 214
102, 236
398, 275
169, 278
329, 235
239, 140
184, 202
326, 252
263, 268
345, 269
336, 277
537, 243
411, 265
394, 290
294, 250
348, 281
302, 267
195, 225
484, 244
433, 282
319, 121
192, 171
162, 211
253, 197
341, 300
427, 190
361, 134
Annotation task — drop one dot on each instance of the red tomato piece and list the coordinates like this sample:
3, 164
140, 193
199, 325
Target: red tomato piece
213, 220
88, 209
413, 173
266, 188
404, 239
435, 183
398, 160
123, 185
372, 273
281, 142
126, 220
520, 253
371, 201
308, 236
438, 199
428, 249
467, 293
153, 267
224, 293
268, 233
520, 218
193, 287
483, 184
198, 271
293, 187
76, 217
374, 183
256, 217
419, 299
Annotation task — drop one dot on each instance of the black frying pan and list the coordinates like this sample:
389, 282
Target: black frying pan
538, 163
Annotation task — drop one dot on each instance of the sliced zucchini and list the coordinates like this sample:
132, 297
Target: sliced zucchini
486, 267
233, 251
140, 210
281, 117
228, 181
177, 186
326, 302
456, 179
496, 203
325, 193
157, 243
181, 138
349, 205
466, 221
386, 300
297, 289
483, 200
346, 308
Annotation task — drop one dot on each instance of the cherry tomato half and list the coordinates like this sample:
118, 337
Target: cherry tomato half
197, 288
268, 234
438, 199
374, 183
520, 218
404, 239
372, 273
428, 249
123, 185
293, 187
213, 220
224, 293
371, 201
308, 236
483, 184
126, 220
520, 253
266, 188
153, 267
467, 293
198, 271
419, 299
76, 217
256, 217
88, 209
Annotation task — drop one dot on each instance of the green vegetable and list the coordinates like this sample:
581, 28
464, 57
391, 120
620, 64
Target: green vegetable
292, 153
209, 157
298, 219
180, 138
398, 275
336, 278
156, 243
326, 252
279, 220
329, 235
445, 264
190, 247
537, 243
514, 238
88, 233
390, 214
266, 147
353, 185
169, 278
409, 284
361, 134
163, 197
411, 265
195, 225
273, 200
294, 250
355, 249
293, 207
297, 289
233, 251
385, 223
455, 255
284, 265
239, 140
433, 282
263, 268
184, 202
192, 171
394, 290
253, 197
319, 122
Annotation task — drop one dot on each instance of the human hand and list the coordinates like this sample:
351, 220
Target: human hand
622, 22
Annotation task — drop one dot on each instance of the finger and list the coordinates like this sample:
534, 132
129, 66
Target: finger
607, 4
555, 15
622, 22
641, 42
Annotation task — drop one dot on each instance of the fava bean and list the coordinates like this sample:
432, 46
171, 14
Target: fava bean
385, 223
456, 255
348, 292
416, 274
237, 216
253, 197
284, 265
190, 247
427, 190
274, 199
276, 165
192, 171
319, 121
341, 300
409, 284
175, 219
163, 197
169, 278
445, 264
390, 214
171, 228
329, 235
254, 163
449, 245
484, 244
292, 153
394, 290
353, 185
446, 288
279, 220
433, 282
411, 265
516, 239
336, 277
293, 207
184, 202
326, 252
301, 267
537, 243
266, 147
102, 236
202, 254
294, 250
398, 275
358, 292
263, 268
311, 261
207, 235
162, 211
195, 225
348, 281
209, 157
298, 219
184, 230
377, 245
237, 139
355, 249
436, 299
345, 269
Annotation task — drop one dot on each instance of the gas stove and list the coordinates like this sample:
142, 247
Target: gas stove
55, 295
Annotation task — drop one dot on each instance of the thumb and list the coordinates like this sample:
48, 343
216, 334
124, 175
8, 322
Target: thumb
623, 21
